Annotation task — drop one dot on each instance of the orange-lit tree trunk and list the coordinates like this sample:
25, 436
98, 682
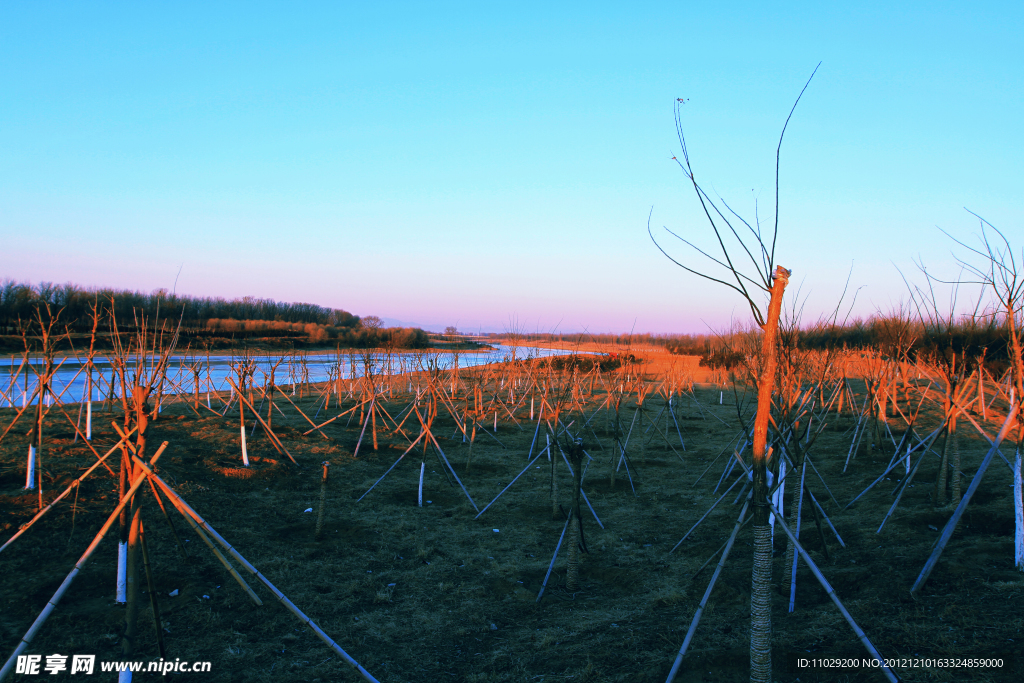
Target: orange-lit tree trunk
140, 399
761, 579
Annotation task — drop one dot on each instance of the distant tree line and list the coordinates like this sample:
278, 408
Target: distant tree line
645, 339
201, 318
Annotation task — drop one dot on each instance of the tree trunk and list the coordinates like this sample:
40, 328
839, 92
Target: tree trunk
956, 467
572, 571
572, 566
761, 578
940, 482
140, 397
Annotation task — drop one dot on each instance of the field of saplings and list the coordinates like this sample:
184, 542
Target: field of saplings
579, 518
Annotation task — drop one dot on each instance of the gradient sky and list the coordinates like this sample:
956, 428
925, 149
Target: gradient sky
495, 166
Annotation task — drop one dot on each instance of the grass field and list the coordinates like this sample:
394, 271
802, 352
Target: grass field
432, 594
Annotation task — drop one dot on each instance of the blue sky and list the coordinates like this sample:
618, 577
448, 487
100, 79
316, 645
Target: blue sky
494, 166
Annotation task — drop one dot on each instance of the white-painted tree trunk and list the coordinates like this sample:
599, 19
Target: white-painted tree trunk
30, 471
1018, 515
778, 495
245, 454
122, 572
88, 419
423, 466
124, 677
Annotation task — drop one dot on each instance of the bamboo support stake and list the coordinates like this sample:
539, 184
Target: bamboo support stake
740, 478
282, 392
452, 470
947, 531
1018, 514
730, 465
902, 486
835, 598
77, 482
583, 493
21, 412
324, 424
821, 511
274, 440
52, 603
184, 507
817, 524
152, 592
366, 421
553, 558
511, 482
985, 435
199, 532
707, 595
821, 479
411, 446
174, 531
743, 492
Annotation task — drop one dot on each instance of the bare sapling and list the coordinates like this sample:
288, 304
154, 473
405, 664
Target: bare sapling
771, 279
48, 340
90, 360
998, 271
575, 540
242, 371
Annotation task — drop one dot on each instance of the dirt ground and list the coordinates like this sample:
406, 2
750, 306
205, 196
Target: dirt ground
432, 594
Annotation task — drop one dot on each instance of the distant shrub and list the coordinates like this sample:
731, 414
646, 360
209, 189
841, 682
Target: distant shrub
722, 359
686, 347
612, 361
